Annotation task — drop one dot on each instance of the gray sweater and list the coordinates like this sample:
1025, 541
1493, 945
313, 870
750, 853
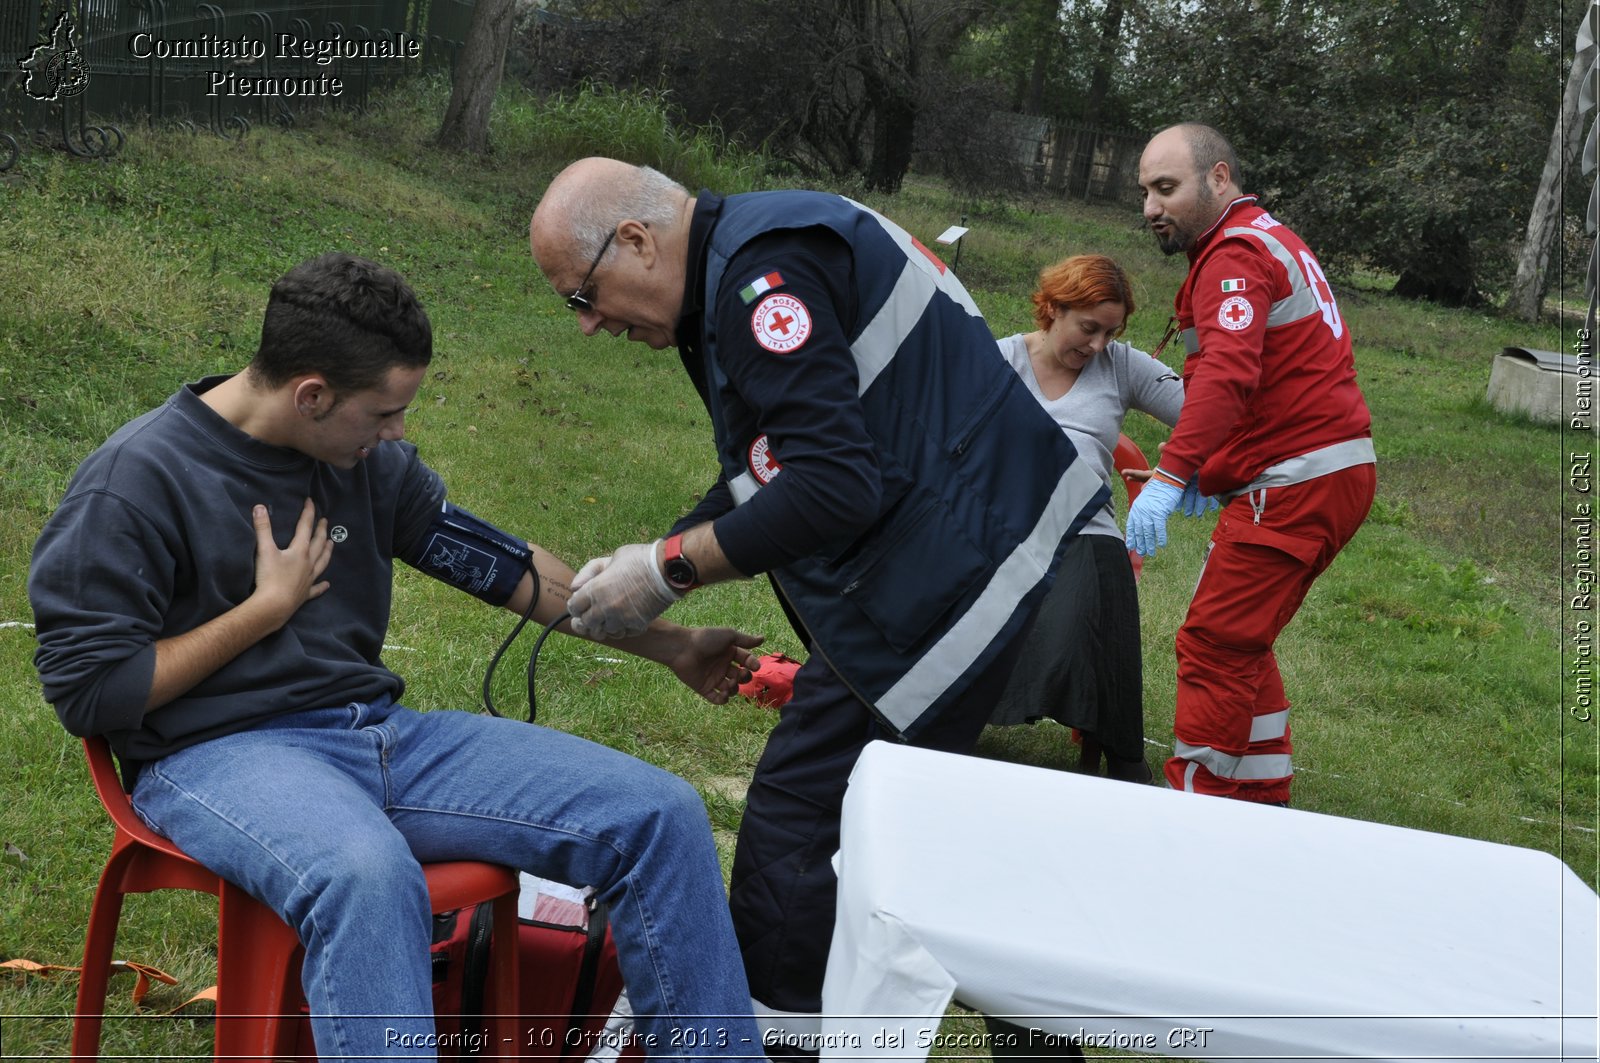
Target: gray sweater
1118, 379
154, 538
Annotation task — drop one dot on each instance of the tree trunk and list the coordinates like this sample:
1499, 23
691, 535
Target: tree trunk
477, 77
1046, 34
1544, 221
1099, 89
891, 87
1032, 98
1061, 146
1444, 272
1446, 275
1497, 34
893, 136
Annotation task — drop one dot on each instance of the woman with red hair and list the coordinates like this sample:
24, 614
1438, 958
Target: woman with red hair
1081, 663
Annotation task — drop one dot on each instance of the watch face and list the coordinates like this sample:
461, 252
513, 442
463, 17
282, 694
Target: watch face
680, 573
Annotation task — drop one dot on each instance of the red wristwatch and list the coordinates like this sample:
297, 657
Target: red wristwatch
679, 571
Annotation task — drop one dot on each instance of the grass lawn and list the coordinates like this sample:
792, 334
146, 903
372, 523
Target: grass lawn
1432, 668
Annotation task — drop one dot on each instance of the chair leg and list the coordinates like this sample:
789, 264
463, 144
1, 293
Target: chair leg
255, 954
94, 979
505, 1023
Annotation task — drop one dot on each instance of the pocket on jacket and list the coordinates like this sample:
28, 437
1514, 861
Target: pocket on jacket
982, 411
920, 565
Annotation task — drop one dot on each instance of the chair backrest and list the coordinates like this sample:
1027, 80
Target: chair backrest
1127, 455
108, 784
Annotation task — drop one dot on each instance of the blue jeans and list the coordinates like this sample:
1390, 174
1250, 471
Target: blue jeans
325, 816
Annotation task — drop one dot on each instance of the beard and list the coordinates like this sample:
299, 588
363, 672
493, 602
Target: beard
1176, 241
1182, 235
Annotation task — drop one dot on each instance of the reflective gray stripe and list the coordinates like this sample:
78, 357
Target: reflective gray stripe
1300, 305
743, 487
1272, 725
949, 658
1254, 767
1220, 764
1202, 573
916, 286
945, 281
1301, 301
1308, 466
880, 341
1259, 767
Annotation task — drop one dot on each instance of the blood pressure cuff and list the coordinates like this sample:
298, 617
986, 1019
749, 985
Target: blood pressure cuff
465, 552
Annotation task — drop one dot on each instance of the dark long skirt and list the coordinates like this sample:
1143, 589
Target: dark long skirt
1080, 661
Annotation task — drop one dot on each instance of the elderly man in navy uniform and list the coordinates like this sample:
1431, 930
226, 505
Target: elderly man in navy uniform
879, 461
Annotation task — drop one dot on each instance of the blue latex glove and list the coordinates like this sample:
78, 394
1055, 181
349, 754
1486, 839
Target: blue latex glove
1194, 503
1147, 517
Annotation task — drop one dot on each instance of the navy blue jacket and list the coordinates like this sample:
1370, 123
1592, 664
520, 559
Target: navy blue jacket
907, 493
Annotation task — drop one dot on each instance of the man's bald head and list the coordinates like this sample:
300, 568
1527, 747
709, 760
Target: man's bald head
613, 238
590, 197
1189, 175
1206, 148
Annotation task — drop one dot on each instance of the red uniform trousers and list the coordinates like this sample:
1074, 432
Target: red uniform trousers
1232, 724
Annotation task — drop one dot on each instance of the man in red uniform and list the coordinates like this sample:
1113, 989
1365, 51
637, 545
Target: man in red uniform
1275, 426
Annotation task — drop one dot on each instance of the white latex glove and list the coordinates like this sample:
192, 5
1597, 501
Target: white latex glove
617, 596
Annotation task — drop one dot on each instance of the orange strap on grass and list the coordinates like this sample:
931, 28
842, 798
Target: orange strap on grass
141, 986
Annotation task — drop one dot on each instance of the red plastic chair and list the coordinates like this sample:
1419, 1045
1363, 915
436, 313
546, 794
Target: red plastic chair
1129, 456
258, 955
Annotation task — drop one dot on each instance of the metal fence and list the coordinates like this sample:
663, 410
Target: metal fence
79, 75
1083, 162
1092, 163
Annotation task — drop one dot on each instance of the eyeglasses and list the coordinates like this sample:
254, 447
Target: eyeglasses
577, 300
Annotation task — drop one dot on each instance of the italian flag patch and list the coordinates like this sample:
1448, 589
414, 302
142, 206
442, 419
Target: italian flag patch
760, 286
1233, 285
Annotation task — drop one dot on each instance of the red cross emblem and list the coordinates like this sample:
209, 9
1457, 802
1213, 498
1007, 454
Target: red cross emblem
763, 463
1235, 313
781, 323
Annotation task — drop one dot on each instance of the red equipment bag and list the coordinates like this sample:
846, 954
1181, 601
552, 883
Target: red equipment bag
573, 1007
569, 977
772, 683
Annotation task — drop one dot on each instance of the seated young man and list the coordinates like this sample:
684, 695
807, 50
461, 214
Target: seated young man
212, 596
